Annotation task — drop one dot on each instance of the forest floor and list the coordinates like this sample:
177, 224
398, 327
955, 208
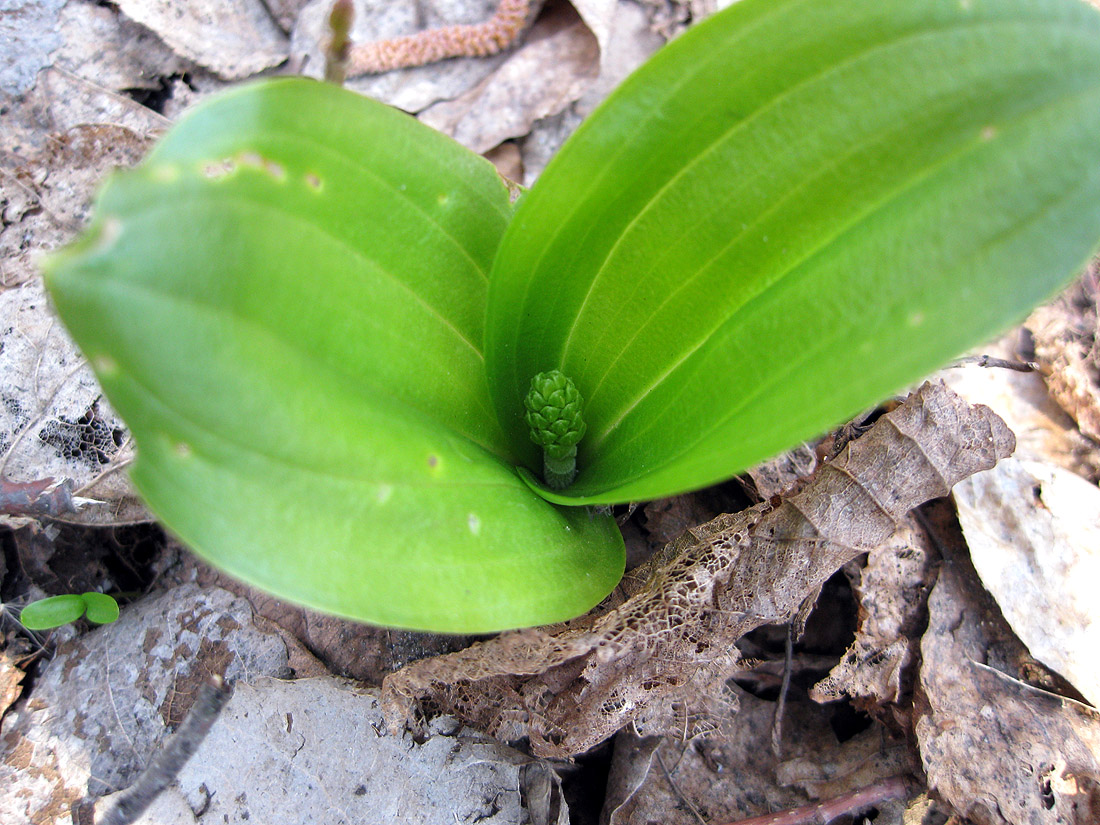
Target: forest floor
941, 669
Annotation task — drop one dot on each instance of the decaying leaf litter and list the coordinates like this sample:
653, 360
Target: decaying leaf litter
938, 683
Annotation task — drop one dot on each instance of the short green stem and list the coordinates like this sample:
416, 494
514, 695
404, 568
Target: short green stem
558, 471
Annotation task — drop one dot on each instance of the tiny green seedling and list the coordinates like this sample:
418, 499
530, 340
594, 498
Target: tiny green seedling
55, 611
321, 319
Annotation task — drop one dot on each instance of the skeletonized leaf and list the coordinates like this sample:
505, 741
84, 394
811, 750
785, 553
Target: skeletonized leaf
285, 304
789, 213
662, 657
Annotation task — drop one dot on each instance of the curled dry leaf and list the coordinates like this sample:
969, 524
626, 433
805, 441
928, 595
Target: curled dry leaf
1067, 344
1034, 536
659, 661
11, 677
998, 750
892, 590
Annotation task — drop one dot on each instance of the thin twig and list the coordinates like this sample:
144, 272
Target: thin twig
170, 760
1000, 363
822, 813
116, 465
781, 705
677, 791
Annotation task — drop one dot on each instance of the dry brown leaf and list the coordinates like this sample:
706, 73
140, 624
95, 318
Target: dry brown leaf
1067, 344
727, 778
557, 62
659, 660
10, 678
112, 51
1034, 536
232, 38
1000, 751
779, 475
319, 643
892, 590
724, 778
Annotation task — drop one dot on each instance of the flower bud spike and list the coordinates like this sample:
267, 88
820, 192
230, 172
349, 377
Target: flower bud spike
553, 413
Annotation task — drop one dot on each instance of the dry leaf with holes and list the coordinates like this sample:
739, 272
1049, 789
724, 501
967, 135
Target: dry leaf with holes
659, 660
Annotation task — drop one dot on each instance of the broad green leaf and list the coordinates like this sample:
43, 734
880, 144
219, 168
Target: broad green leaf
285, 303
48, 613
100, 608
789, 213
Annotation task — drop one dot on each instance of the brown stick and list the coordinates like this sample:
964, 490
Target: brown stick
45, 497
1001, 363
169, 761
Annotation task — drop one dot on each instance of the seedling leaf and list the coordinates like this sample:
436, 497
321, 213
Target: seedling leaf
101, 608
51, 612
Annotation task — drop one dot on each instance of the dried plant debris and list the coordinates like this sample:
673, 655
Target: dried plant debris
780, 475
482, 39
1067, 344
103, 704
1043, 429
110, 50
892, 588
522, 90
11, 678
351, 649
410, 89
1034, 536
232, 38
316, 752
28, 33
54, 422
997, 749
659, 660
728, 778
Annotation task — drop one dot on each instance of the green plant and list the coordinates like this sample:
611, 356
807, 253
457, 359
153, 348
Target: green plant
54, 611
321, 319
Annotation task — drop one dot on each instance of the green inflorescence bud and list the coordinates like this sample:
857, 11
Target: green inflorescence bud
553, 413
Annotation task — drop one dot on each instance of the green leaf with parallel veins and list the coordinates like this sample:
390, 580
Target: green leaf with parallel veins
285, 303
790, 212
